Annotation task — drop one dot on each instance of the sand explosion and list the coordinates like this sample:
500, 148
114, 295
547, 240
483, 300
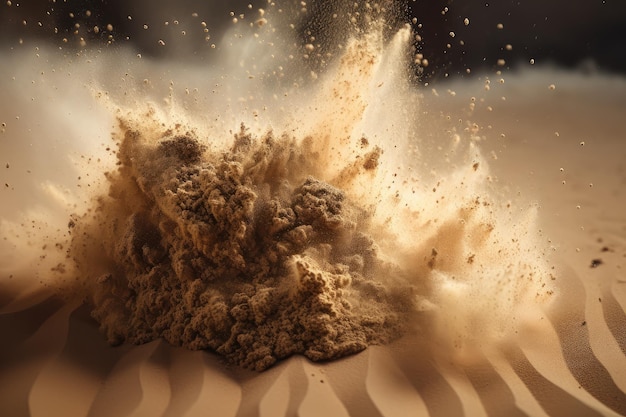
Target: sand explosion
353, 208
319, 232
242, 251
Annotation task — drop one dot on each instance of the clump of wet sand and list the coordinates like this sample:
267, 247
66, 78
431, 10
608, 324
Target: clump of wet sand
243, 251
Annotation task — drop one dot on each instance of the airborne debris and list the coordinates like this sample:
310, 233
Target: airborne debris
596, 263
243, 252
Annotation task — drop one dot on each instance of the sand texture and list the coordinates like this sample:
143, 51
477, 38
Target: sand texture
562, 149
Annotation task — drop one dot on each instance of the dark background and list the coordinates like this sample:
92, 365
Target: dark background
590, 34
575, 33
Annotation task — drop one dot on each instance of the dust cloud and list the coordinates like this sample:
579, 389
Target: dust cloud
283, 202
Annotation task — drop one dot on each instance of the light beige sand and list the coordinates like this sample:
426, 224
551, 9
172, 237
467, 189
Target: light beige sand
572, 361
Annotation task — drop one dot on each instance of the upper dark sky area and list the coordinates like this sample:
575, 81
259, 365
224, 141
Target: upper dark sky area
590, 34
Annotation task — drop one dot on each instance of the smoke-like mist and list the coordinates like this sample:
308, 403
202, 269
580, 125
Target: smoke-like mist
334, 219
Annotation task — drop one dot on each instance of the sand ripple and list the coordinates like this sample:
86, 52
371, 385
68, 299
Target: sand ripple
55, 363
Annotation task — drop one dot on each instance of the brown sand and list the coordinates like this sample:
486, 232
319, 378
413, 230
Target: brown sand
569, 363
489, 351
239, 251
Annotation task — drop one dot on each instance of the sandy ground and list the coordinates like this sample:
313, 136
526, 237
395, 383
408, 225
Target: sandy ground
54, 362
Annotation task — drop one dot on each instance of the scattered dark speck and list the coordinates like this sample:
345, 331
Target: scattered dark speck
596, 263
584, 323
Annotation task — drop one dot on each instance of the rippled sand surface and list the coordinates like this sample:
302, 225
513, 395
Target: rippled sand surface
562, 149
